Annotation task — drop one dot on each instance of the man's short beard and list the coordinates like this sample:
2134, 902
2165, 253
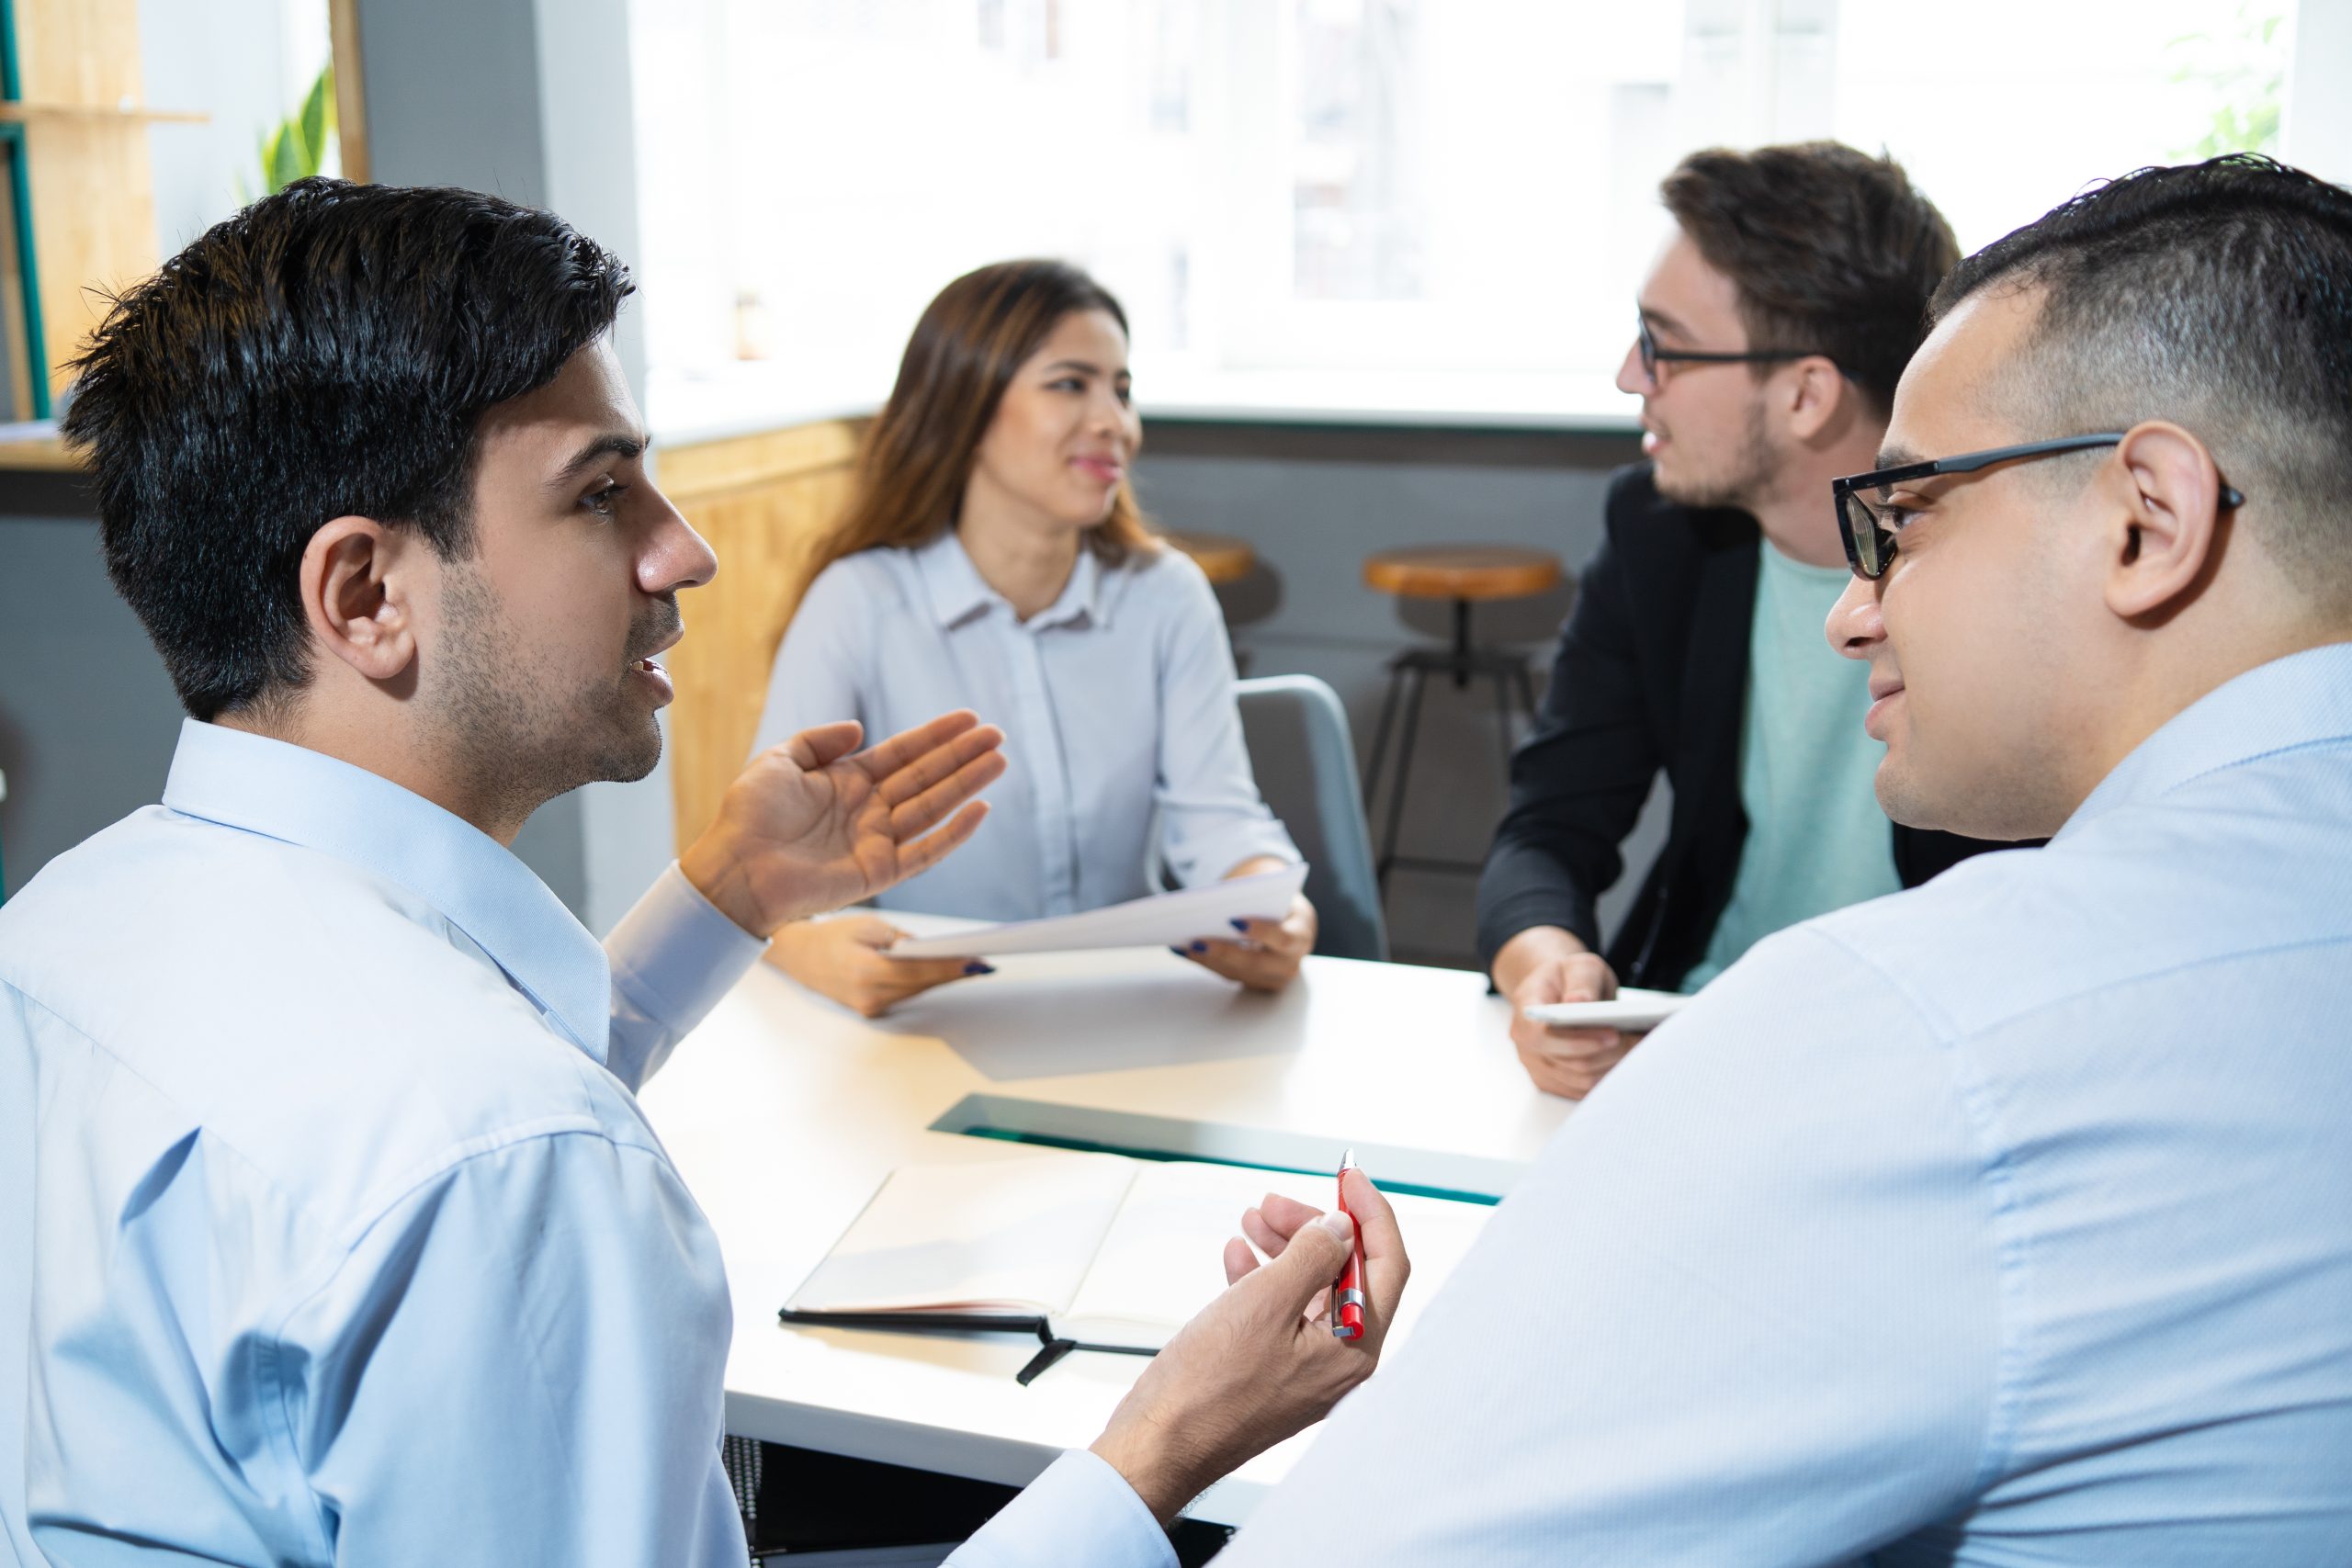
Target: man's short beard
1744, 474
512, 727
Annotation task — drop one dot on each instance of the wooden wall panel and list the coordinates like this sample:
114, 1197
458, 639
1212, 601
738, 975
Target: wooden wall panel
90, 250
94, 201
79, 52
763, 501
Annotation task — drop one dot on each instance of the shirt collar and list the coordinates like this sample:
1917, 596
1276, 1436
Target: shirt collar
957, 592
301, 796
2304, 699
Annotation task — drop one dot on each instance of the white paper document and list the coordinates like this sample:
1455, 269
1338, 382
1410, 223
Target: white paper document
1631, 1008
1164, 920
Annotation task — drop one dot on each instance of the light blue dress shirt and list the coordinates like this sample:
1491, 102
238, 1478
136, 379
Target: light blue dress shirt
1121, 730
330, 1228
2007, 1221
1817, 839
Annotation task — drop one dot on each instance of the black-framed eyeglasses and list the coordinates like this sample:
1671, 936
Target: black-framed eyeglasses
1653, 356
1865, 515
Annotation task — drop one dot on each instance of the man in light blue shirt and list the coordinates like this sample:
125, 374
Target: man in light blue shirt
2004, 1221
330, 1229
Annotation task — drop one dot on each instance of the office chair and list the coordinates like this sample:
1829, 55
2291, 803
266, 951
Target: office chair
1305, 765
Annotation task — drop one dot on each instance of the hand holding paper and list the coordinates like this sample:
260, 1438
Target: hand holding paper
1165, 919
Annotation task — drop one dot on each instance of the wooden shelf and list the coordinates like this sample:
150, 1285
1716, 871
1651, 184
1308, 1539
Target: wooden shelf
33, 113
48, 455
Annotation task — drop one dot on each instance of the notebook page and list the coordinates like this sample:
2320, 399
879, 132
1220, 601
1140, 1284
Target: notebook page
1009, 1236
1162, 1259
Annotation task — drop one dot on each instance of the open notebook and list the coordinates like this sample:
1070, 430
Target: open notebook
1083, 1252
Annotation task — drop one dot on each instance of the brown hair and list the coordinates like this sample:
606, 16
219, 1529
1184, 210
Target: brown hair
1833, 252
918, 457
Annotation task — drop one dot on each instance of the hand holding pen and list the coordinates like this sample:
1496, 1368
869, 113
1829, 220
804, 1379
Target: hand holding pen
1347, 1302
1261, 1361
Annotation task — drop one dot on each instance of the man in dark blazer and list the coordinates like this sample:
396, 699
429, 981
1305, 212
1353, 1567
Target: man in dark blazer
1773, 329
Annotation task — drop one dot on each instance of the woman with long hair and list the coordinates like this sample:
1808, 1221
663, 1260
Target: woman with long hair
994, 558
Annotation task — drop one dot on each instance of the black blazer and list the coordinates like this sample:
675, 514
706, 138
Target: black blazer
1651, 673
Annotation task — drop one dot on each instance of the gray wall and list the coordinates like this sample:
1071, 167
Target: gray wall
87, 716
87, 719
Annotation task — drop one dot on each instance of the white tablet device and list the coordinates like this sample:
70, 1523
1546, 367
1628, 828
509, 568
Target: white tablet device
1630, 1009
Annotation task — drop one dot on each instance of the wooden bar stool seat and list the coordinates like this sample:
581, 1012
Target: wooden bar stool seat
1464, 574
1221, 556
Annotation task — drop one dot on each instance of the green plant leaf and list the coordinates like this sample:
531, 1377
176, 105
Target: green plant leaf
316, 109
286, 156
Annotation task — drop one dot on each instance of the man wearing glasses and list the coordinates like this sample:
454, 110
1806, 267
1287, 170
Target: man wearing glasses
1771, 334
2004, 1221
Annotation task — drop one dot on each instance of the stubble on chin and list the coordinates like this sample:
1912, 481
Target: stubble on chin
1724, 477
512, 724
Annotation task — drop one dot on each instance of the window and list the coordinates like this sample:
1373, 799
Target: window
1399, 204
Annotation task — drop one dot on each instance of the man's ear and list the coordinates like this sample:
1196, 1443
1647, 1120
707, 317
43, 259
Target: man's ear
358, 597
1819, 398
2165, 529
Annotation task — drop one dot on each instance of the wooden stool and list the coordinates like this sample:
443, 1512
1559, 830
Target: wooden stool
1221, 556
1464, 574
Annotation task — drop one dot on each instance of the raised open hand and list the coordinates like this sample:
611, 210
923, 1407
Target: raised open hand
814, 824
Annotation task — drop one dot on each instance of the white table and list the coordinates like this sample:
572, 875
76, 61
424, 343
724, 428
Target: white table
785, 1112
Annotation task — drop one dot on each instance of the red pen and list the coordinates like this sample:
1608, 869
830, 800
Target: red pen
1347, 1301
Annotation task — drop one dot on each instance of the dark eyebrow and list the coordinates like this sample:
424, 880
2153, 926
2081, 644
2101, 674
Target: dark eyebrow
628, 448
1660, 319
1897, 457
1087, 366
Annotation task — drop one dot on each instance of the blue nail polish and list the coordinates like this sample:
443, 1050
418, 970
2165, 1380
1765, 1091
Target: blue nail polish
1241, 926
1179, 952
977, 967
1200, 947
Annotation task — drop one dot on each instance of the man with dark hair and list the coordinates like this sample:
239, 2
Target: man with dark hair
330, 1228
1772, 330
2002, 1221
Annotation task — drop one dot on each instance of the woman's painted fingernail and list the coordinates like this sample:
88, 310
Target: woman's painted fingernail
977, 967
1200, 947
1179, 952
1241, 925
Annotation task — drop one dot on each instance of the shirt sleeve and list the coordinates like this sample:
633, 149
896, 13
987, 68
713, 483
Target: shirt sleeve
519, 1361
1745, 1309
673, 957
1211, 816
820, 665
1578, 782
1080, 1510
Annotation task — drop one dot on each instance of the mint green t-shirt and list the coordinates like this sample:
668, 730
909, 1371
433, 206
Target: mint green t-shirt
1817, 839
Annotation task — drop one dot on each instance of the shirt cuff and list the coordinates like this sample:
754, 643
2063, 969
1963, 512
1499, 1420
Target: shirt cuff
1080, 1510
676, 955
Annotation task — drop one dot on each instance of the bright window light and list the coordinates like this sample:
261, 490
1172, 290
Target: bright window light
1386, 206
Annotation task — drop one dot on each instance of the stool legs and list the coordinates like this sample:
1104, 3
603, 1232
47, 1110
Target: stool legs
1503, 725
1380, 733
1408, 675
1418, 679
